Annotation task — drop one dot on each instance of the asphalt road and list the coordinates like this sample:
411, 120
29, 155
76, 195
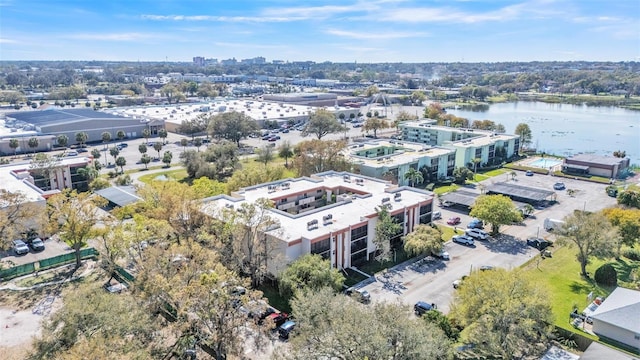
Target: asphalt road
431, 281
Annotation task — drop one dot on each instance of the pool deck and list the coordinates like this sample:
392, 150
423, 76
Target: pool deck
530, 162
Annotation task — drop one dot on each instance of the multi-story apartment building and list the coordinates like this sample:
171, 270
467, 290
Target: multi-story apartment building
393, 159
333, 214
488, 146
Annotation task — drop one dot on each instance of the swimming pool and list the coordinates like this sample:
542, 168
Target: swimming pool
545, 163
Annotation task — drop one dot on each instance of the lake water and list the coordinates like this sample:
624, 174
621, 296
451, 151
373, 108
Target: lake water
564, 129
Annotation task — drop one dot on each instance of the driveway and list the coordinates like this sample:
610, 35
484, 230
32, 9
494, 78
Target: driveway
431, 280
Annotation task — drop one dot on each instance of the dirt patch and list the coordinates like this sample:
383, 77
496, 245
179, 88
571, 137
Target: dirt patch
18, 327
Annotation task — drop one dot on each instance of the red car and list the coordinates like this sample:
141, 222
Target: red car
453, 221
278, 318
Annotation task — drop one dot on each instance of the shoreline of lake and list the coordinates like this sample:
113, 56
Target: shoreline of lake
566, 129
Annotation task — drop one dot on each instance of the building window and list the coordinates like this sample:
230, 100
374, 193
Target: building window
322, 248
358, 233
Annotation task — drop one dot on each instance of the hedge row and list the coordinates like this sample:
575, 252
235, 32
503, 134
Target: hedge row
596, 179
527, 168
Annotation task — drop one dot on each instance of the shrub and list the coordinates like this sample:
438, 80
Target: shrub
606, 275
631, 254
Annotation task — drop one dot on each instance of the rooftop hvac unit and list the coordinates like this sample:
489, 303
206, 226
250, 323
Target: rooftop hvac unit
397, 197
386, 200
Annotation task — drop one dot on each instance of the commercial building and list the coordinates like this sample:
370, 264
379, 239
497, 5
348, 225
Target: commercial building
590, 164
469, 144
333, 214
48, 124
172, 116
393, 159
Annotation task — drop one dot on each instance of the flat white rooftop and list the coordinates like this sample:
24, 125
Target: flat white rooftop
12, 177
404, 153
360, 201
257, 110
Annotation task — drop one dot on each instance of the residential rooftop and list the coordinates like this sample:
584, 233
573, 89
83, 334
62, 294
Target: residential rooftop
357, 198
389, 153
596, 159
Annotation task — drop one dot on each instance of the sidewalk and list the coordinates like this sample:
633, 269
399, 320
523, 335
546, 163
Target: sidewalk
11, 284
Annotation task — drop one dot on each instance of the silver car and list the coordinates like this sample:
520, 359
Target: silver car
477, 234
463, 239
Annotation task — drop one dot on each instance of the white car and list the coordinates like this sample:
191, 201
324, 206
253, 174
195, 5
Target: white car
463, 239
442, 255
477, 234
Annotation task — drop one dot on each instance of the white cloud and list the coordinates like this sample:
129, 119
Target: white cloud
374, 35
255, 19
112, 36
7, 41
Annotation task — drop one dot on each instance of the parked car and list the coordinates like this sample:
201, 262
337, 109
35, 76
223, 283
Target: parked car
115, 289
442, 255
72, 153
463, 239
122, 145
422, 307
559, 186
436, 215
475, 224
20, 247
266, 137
538, 243
285, 329
36, 244
486, 267
529, 173
362, 296
454, 221
285, 131
477, 234
278, 318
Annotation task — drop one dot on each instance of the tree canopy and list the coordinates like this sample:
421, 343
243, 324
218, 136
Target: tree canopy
386, 228
315, 156
506, 314
311, 272
496, 210
329, 326
524, 132
232, 126
321, 123
591, 233
423, 240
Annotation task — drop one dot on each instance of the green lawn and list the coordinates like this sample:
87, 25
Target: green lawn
495, 172
447, 232
560, 275
445, 189
480, 177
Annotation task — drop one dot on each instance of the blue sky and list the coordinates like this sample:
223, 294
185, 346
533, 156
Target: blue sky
339, 31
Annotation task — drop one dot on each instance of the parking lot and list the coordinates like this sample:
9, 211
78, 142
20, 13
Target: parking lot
52, 248
431, 280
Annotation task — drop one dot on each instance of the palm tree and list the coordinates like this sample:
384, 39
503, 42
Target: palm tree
414, 176
286, 151
162, 133
88, 172
33, 143
476, 161
145, 159
121, 161
62, 140
146, 134
14, 144
121, 135
114, 151
81, 138
158, 147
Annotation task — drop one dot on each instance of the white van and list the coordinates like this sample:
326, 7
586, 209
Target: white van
552, 224
436, 215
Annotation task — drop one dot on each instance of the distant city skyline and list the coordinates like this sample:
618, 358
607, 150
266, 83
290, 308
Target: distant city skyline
373, 31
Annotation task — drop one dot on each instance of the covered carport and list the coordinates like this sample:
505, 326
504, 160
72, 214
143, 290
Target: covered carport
119, 195
459, 198
519, 193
